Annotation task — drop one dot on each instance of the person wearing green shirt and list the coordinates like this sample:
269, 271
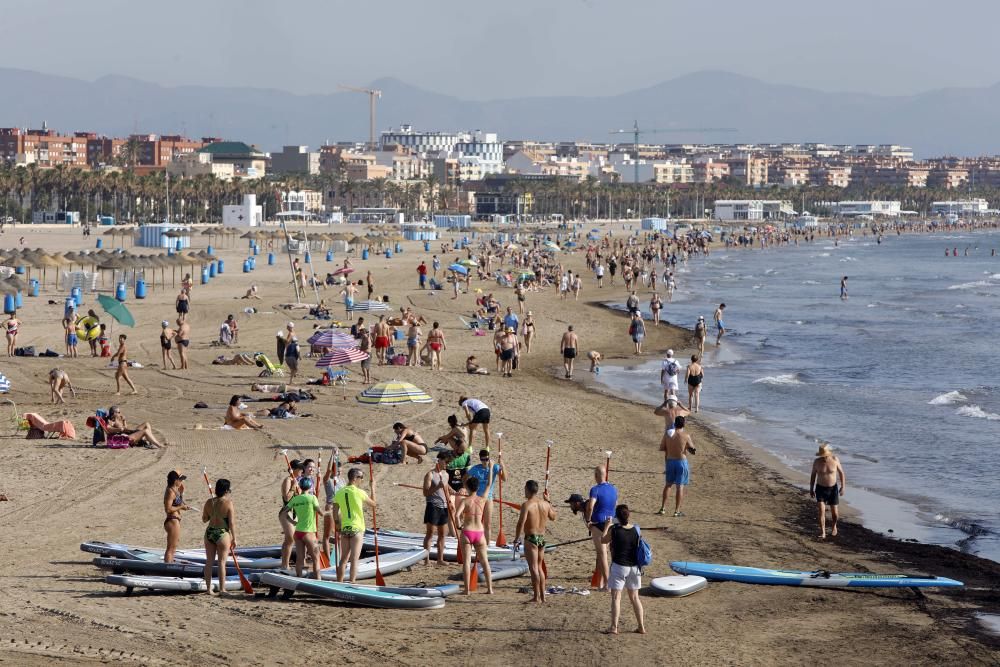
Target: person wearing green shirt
306, 507
348, 513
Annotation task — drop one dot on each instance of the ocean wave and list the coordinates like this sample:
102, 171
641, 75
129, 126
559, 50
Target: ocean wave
785, 379
950, 398
977, 412
972, 285
810, 282
848, 259
823, 254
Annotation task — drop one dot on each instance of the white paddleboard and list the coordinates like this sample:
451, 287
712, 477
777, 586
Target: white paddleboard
677, 586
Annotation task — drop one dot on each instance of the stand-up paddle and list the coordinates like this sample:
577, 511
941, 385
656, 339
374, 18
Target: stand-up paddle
247, 587
514, 506
324, 557
545, 494
595, 579
379, 579
501, 538
336, 477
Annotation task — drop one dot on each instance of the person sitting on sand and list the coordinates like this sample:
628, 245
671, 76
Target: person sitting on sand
117, 425
251, 293
59, 380
826, 472
236, 419
409, 442
473, 368
234, 328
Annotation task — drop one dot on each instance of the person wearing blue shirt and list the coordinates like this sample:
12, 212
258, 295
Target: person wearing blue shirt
599, 511
482, 472
510, 320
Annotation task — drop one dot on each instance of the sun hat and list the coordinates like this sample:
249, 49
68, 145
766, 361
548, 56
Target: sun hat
824, 450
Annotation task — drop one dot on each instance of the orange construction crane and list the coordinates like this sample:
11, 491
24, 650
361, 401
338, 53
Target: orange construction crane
372, 96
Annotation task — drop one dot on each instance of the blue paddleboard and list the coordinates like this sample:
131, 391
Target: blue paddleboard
817, 579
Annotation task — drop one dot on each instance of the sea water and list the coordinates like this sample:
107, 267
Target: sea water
901, 377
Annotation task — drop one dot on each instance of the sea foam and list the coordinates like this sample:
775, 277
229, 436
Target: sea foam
977, 412
950, 398
788, 378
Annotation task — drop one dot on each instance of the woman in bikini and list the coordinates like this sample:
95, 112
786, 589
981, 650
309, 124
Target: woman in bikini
469, 511
409, 441
529, 331
435, 341
413, 344
289, 486
118, 425
173, 505
220, 534
695, 374
655, 306
236, 419
166, 342
12, 326
121, 357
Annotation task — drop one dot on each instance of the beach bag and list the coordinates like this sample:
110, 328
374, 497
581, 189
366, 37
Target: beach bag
643, 552
117, 442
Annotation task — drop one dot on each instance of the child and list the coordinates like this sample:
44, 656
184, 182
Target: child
104, 342
69, 326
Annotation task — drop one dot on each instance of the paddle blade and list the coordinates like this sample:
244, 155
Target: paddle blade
595, 579
379, 579
247, 587
501, 539
474, 576
324, 560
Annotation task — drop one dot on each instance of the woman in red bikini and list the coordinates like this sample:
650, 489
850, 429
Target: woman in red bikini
435, 341
470, 515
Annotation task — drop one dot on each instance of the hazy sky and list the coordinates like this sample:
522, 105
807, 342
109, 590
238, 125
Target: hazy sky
481, 49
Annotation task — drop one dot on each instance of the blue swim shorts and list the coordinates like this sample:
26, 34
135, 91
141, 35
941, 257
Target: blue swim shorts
678, 472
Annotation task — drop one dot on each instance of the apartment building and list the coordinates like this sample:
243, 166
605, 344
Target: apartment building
295, 160
44, 147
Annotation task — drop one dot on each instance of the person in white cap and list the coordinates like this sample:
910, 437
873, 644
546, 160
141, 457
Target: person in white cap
669, 374
167, 336
700, 333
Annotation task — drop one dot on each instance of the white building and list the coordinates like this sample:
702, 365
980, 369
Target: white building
853, 209
247, 214
477, 144
751, 209
976, 206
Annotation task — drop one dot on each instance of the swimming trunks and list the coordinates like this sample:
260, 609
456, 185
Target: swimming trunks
537, 540
411, 342
482, 415
215, 533
381, 342
71, 339
472, 536
349, 303
720, 325
183, 342
829, 495
506, 355
435, 516
569, 353
182, 307
678, 472
435, 345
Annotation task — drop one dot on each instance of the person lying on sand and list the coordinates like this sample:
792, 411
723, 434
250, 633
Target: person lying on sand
251, 293
238, 420
117, 425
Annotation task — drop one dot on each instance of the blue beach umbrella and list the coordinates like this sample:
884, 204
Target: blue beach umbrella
458, 268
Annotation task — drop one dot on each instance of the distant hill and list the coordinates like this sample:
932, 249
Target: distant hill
952, 121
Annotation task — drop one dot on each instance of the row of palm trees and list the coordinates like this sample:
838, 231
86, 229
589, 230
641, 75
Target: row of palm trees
132, 197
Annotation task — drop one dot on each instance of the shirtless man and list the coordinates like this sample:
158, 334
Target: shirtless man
826, 472
381, 334
183, 340
535, 514
670, 409
719, 324
675, 447
350, 293
568, 347
508, 350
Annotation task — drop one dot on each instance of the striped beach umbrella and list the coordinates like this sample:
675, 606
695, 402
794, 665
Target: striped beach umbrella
371, 306
341, 357
4, 384
468, 263
393, 392
332, 338
343, 271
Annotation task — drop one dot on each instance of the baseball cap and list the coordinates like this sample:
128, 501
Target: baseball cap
164, 324
670, 353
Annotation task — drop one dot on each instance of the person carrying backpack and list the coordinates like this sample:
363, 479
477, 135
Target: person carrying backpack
628, 555
669, 373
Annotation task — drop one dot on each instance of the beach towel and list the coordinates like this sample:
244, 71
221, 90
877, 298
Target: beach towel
241, 359
63, 428
4, 384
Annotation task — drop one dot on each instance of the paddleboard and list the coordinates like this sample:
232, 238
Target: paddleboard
384, 598
190, 584
815, 579
677, 586
131, 551
397, 540
504, 569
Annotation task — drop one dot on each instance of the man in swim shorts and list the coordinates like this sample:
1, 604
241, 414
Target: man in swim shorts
381, 334
535, 514
675, 447
600, 509
568, 346
719, 324
436, 516
826, 472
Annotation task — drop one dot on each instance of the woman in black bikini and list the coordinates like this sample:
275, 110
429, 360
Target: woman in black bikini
173, 505
166, 342
220, 534
695, 374
529, 331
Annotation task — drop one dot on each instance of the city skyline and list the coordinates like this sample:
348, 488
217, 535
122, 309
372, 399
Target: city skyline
482, 52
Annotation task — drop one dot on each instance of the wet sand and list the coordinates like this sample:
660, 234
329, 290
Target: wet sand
56, 608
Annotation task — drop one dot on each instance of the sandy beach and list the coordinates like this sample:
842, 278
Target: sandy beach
56, 607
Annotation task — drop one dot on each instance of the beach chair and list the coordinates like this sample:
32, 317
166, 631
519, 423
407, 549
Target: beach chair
20, 423
101, 435
270, 370
338, 377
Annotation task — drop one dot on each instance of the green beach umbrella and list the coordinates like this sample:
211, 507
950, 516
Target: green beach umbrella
116, 310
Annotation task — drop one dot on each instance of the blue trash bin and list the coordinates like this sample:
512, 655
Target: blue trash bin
221, 266
211, 270
253, 263
308, 258
77, 295
177, 246
204, 276
399, 248
329, 255
69, 307
100, 243
246, 266
120, 292
256, 249
9, 304
388, 254
210, 250
270, 259
140, 289
19, 270
364, 254
33, 288
18, 300
427, 246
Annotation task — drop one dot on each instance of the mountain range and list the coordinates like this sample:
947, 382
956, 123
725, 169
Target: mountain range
947, 121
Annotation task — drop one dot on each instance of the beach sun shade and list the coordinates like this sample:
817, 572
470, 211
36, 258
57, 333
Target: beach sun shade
116, 309
526, 275
4, 384
458, 268
371, 306
331, 338
393, 392
341, 357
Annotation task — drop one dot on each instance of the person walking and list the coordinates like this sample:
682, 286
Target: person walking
598, 512
637, 330
567, 348
823, 487
719, 324
623, 537
121, 357
167, 336
676, 445
694, 375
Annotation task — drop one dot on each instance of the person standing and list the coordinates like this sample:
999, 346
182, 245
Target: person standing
435, 489
183, 341
637, 331
694, 375
166, 343
510, 320
220, 534
487, 473
719, 324
531, 522
623, 537
370, 282
576, 286
598, 513
173, 505
182, 304
435, 265
843, 288
826, 473
655, 306
348, 511
469, 514
69, 328
568, 347
600, 274
435, 341
508, 352
422, 275
529, 331
675, 447
669, 375
476, 412
350, 292
121, 358
381, 334
700, 333
365, 345
306, 507
13, 325
632, 304
289, 484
